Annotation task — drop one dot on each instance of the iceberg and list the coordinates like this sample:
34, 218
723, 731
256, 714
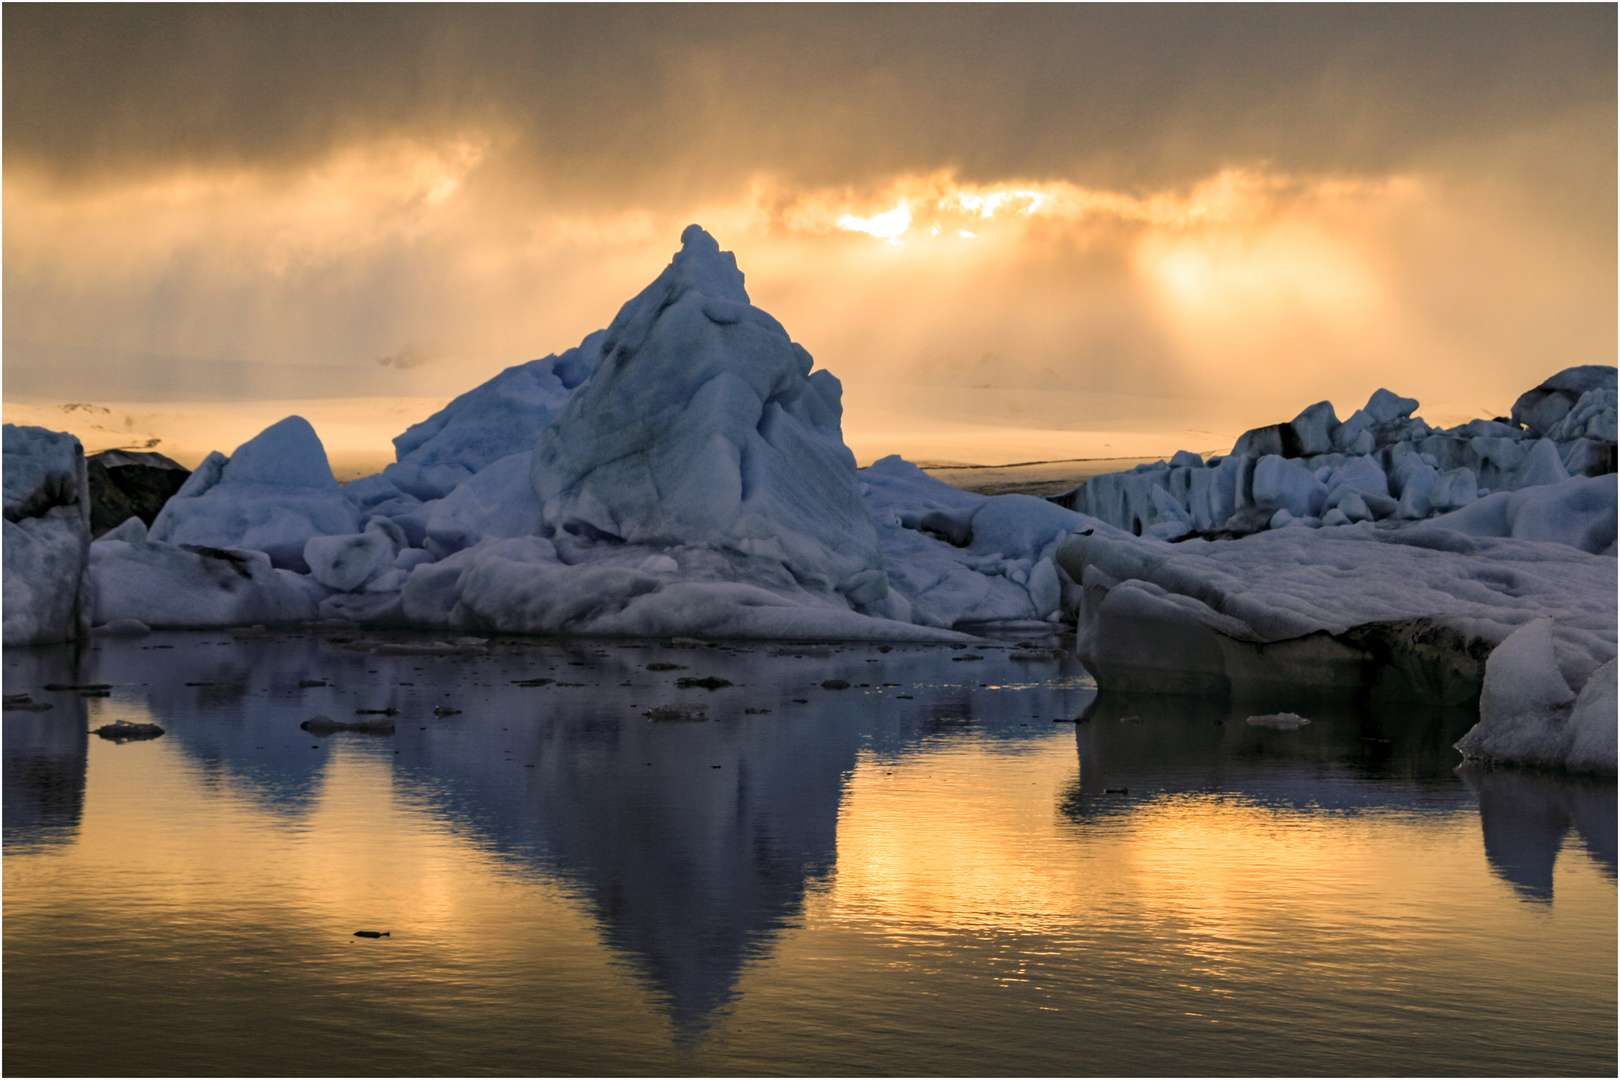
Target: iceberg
172, 586
1415, 613
1382, 464
274, 493
47, 537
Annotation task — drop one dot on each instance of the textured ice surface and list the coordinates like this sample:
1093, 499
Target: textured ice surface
47, 536
1529, 714
272, 495
166, 585
704, 425
1409, 612
1381, 463
499, 418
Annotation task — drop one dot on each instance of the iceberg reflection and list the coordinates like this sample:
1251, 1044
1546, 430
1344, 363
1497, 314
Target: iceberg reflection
1526, 816
45, 750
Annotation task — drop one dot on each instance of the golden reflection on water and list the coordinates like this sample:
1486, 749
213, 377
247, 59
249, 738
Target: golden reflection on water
962, 894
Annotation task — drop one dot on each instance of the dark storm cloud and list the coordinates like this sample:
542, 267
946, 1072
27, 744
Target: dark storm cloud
622, 100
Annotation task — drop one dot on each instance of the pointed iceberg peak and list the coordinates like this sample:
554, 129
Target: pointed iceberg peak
704, 268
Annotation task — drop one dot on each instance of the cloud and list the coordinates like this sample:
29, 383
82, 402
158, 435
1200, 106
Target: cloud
1228, 212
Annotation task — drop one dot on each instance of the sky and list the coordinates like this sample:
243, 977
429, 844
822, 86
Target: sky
1179, 220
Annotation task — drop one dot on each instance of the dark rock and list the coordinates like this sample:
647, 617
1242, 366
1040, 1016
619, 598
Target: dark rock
1271, 439
665, 713
966, 656
78, 686
305, 684
390, 711
126, 484
666, 667
835, 684
710, 683
324, 725
371, 933
25, 703
531, 682
445, 710
123, 731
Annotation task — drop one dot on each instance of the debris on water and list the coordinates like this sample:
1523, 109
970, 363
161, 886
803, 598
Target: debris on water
78, 686
121, 628
710, 683
305, 684
966, 656
95, 693
801, 701
1066, 720
687, 643
756, 712
904, 697
835, 684
885, 648
661, 713
199, 684
1283, 721
531, 682
123, 731
445, 710
390, 711
371, 933
800, 652
325, 725
26, 703
666, 667
1117, 791
1022, 653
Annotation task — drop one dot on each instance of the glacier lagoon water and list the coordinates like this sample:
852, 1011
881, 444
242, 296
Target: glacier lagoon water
919, 873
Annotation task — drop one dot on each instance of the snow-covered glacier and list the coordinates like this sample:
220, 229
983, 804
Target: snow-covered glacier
683, 472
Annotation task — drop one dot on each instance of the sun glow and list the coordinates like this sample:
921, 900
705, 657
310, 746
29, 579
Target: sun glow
890, 225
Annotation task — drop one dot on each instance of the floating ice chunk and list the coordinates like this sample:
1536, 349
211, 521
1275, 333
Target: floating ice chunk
1593, 721
1354, 436
1354, 508
1286, 721
46, 540
1542, 466
501, 417
1386, 405
1453, 490
1527, 711
1592, 417
1579, 512
164, 585
1314, 426
345, 563
272, 495
498, 501
1540, 409
1283, 484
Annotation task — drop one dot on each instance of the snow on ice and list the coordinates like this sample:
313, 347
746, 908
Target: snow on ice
683, 472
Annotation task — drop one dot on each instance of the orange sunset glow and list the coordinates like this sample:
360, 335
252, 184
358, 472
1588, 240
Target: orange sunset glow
1145, 269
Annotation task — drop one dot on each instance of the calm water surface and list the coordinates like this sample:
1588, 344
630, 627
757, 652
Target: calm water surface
922, 873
